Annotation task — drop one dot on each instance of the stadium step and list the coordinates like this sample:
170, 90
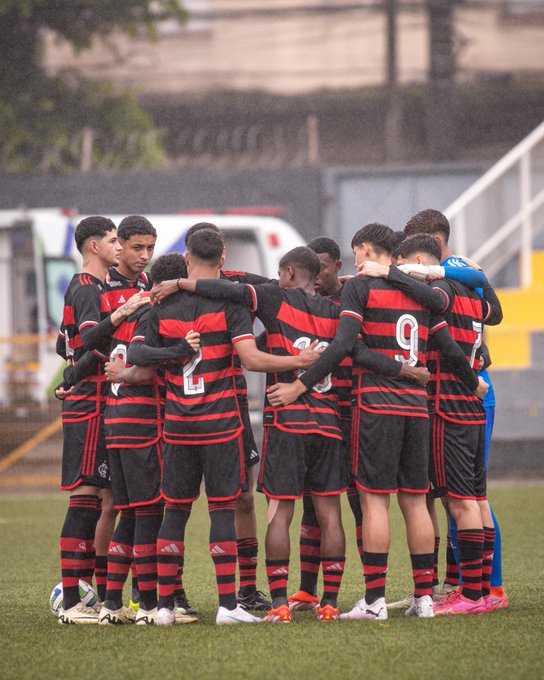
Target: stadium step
517, 342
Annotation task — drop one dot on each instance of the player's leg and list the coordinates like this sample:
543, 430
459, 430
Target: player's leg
305, 599
277, 548
333, 554
146, 531
104, 532
461, 445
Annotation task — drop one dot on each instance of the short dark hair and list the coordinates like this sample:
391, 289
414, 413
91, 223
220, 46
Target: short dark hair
135, 225
379, 236
428, 222
419, 243
399, 237
167, 267
324, 244
304, 258
197, 227
92, 227
206, 245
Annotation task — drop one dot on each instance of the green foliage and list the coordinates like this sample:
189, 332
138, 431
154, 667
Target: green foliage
43, 118
505, 644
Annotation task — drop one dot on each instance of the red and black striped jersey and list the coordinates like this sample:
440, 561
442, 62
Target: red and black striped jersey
241, 277
86, 326
293, 319
465, 315
120, 289
342, 374
397, 326
134, 411
201, 402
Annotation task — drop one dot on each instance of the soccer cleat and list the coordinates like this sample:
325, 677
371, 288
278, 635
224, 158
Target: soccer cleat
181, 602
406, 603
458, 604
165, 617
303, 602
145, 617
133, 605
488, 604
377, 611
327, 613
499, 599
78, 614
120, 616
441, 593
233, 616
281, 614
254, 601
422, 607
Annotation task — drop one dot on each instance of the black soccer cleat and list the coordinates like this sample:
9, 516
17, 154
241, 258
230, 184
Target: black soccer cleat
181, 602
254, 601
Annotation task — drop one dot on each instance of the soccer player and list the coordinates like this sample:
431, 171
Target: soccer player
391, 421
133, 422
203, 427
329, 285
302, 443
88, 325
245, 518
436, 224
458, 469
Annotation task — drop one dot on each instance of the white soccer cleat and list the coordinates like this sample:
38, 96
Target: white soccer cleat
422, 607
146, 617
78, 614
165, 617
232, 616
116, 617
377, 611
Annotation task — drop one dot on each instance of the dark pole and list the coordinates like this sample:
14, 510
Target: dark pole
393, 117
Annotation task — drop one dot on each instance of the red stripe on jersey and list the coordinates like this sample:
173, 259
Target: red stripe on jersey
212, 416
105, 303
467, 307
390, 329
194, 401
307, 323
392, 299
207, 323
68, 316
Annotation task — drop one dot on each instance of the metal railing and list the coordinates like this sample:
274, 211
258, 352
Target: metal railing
501, 214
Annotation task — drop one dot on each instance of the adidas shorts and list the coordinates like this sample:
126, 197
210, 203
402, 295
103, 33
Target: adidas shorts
293, 463
221, 466
390, 453
457, 465
251, 454
84, 454
135, 475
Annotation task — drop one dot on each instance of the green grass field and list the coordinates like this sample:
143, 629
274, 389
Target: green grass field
506, 644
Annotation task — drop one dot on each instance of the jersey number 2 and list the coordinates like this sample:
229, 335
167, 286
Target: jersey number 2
190, 385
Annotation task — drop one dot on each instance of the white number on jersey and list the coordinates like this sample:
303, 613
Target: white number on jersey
190, 386
478, 329
119, 352
410, 344
300, 344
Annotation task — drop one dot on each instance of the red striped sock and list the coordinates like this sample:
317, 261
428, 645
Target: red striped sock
310, 547
223, 550
487, 559
435, 563
148, 523
422, 573
333, 570
375, 571
471, 544
277, 572
248, 549
452, 569
170, 549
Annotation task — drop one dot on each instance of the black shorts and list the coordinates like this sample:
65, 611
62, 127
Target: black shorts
136, 475
251, 454
293, 463
458, 459
221, 465
84, 454
345, 426
390, 453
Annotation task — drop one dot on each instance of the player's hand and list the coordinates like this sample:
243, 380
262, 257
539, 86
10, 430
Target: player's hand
61, 392
114, 370
373, 269
162, 290
193, 338
135, 302
283, 394
345, 277
419, 374
308, 355
482, 388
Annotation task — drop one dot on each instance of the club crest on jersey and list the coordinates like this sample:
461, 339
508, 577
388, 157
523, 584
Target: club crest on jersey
103, 470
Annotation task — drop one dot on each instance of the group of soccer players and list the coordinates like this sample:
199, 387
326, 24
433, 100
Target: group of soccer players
372, 389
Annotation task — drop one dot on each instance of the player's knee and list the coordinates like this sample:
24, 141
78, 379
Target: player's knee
245, 503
